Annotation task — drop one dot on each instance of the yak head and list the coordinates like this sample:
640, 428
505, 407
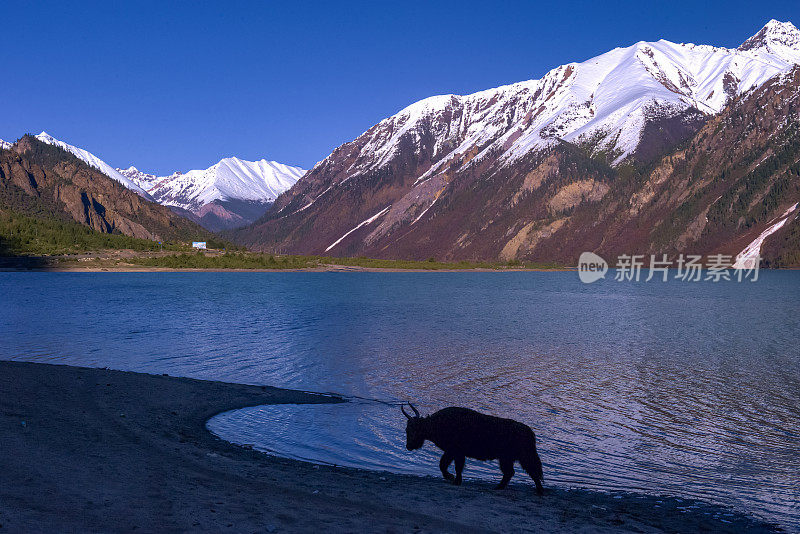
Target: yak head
415, 431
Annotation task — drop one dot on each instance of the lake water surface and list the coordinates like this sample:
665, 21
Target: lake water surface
673, 388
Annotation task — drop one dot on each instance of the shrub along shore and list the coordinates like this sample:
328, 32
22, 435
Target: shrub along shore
51, 244
252, 260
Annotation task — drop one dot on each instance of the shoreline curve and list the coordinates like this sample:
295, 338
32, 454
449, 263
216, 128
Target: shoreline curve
98, 450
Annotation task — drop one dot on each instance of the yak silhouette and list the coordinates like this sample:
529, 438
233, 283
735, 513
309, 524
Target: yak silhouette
463, 433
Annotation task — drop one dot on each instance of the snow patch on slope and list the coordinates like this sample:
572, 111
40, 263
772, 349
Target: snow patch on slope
360, 225
751, 255
93, 161
5, 144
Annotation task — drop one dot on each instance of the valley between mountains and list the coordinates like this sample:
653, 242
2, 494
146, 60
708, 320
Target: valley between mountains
656, 147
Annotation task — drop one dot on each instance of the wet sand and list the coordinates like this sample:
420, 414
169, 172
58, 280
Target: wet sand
95, 450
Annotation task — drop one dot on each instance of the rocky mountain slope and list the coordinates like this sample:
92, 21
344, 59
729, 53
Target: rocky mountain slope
93, 161
231, 193
502, 172
717, 193
47, 180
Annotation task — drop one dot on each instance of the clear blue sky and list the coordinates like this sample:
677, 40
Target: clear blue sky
173, 86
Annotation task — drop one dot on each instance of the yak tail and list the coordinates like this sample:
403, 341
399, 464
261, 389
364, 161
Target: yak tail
532, 465
538, 466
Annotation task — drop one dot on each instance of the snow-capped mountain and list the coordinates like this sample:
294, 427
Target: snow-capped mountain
5, 144
423, 167
229, 179
230, 193
239, 190
780, 39
51, 183
95, 162
605, 101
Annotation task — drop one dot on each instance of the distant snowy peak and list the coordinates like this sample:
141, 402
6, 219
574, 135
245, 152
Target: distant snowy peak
5, 144
95, 162
253, 180
233, 192
142, 179
229, 179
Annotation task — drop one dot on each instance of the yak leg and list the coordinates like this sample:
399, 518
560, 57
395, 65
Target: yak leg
507, 467
533, 466
444, 465
539, 489
459, 469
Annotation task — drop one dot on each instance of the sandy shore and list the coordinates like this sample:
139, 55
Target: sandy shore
93, 450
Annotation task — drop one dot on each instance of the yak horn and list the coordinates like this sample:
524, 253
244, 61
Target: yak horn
416, 412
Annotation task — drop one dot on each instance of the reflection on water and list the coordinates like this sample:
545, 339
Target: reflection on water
681, 388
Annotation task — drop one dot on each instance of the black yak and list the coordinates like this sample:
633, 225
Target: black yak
462, 433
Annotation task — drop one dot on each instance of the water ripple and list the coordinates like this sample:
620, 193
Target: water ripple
687, 389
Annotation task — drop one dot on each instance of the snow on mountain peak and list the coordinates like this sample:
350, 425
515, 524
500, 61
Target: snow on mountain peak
229, 179
142, 179
605, 101
93, 161
5, 144
783, 32
781, 39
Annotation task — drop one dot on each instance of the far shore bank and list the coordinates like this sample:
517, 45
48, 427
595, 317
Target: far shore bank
323, 269
92, 265
97, 450
127, 260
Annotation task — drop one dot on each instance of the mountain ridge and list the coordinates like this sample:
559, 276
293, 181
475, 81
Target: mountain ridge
45, 180
93, 161
709, 93
229, 178
232, 192
371, 193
